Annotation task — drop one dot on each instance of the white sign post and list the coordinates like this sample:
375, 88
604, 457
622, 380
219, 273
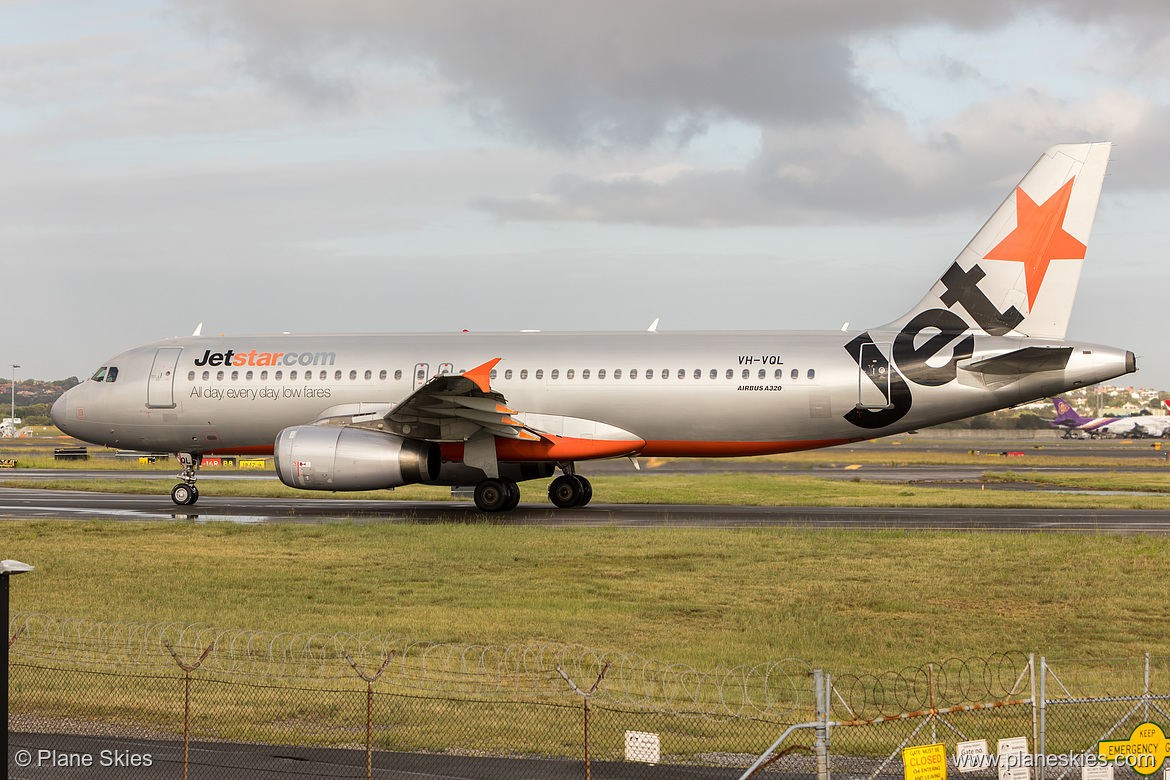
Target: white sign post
1017, 748
642, 746
972, 756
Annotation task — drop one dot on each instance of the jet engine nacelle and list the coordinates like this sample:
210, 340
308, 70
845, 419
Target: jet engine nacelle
316, 457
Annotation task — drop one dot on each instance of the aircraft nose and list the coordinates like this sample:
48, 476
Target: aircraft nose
58, 412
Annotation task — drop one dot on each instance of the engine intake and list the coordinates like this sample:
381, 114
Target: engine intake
316, 457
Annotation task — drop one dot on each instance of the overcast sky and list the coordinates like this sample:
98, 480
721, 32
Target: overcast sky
393, 165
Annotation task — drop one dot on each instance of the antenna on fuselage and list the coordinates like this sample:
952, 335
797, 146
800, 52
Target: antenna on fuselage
198, 330
653, 326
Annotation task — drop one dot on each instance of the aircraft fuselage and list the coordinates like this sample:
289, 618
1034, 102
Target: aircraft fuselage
682, 393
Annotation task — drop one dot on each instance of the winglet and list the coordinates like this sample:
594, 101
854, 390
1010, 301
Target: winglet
481, 375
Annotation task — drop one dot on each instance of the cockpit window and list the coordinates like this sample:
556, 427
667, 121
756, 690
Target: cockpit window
112, 374
100, 375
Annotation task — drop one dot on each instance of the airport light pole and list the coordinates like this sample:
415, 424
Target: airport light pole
14, 367
7, 569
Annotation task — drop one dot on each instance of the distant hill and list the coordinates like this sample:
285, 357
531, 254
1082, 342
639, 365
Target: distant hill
33, 398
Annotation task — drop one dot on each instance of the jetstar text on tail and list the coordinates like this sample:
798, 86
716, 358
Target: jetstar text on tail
254, 358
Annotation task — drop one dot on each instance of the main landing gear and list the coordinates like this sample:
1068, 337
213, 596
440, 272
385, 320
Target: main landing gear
497, 494
185, 493
570, 489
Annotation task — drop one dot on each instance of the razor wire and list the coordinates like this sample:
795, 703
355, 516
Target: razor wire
771, 690
949, 683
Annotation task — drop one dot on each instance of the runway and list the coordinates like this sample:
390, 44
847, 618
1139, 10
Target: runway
23, 504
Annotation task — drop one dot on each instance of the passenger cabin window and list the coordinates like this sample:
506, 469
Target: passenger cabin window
524, 373
698, 373
325, 374
206, 375
554, 374
540, 373
714, 373
492, 374
336, 376
99, 375
633, 373
730, 373
370, 375
398, 375
248, 376
263, 376
584, 373
219, 376
292, 375
190, 376
601, 373
617, 373
795, 373
812, 372
682, 373
353, 375
508, 374
666, 373
779, 374
649, 373
278, 375
235, 375
569, 373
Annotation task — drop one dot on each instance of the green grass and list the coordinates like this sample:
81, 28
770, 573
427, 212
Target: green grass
1151, 483
728, 489
845, 600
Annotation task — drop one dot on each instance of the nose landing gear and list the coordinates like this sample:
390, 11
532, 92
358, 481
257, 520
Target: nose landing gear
185, 493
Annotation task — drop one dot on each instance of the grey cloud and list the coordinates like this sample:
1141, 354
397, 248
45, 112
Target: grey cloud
605, 73
874, 170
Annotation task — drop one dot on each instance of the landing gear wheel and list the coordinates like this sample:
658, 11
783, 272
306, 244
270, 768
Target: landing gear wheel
492, 495
586, 490
184, 494
513, 495
566, 491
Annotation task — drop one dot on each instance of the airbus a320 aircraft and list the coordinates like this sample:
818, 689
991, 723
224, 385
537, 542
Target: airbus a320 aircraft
363, 412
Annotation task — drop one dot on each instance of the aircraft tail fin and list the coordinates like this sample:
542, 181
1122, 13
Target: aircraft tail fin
1018, 275
1065, 414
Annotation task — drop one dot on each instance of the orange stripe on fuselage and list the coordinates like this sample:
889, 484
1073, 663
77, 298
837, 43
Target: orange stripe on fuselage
733, 449
557, 448
260, 449
550, 448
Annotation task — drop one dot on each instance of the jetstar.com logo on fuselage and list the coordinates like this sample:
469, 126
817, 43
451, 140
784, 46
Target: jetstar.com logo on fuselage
254, 358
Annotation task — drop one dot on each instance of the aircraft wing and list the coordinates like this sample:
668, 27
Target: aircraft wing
455, 407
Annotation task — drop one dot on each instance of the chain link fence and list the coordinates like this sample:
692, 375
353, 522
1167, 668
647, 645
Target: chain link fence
198, 701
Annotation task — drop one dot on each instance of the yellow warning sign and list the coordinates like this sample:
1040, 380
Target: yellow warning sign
1145, 750
925, 762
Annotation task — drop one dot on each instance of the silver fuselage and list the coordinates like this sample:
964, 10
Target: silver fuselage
682, 393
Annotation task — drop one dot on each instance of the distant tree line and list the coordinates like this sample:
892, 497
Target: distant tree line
34, 409
1000, 421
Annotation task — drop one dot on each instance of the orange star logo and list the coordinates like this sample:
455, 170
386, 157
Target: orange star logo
1039, 238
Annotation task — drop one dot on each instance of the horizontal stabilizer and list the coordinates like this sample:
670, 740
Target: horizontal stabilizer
1028, 360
